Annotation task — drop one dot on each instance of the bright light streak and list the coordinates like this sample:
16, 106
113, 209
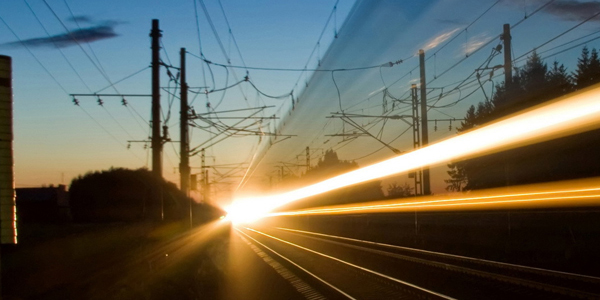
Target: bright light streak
575, 112
585, 192
247, 211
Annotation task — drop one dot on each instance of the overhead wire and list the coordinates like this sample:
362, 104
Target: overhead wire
386, 64
59, 49
318, 41
78, 44
61, 86
199, 42
218, 38
88, 44
559, 35
533, 13
570, 48
231, 33
73, 68
98, 65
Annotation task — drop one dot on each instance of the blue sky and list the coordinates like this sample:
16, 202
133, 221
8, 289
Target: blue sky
56, 140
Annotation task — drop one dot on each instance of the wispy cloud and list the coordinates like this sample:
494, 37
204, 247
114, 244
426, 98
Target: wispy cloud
570, 10
104, 30
476, 42
81, 19
574, 10
452, 22
437, 40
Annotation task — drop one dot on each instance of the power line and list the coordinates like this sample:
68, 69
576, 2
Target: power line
81, 47
464, 30
59, 84
533, 13
559, 35
199, 44
88, 44
570, 48
59, 49
122, 79
34, 56
72, 67
318, 41
387, 64
231, 33
214, 30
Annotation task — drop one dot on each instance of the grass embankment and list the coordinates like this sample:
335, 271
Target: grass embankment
113, 261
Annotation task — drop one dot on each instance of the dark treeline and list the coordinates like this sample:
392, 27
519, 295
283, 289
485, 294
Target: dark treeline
329, 166
129, 195
560, 159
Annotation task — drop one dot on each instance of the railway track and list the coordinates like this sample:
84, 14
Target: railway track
358, 269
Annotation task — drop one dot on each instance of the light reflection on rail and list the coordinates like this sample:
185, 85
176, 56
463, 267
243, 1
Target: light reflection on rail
351, 264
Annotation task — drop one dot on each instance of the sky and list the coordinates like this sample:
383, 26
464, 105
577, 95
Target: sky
56, 140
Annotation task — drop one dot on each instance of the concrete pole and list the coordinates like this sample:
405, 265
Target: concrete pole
184, 150
184, 165
156, 137
507, 57
424, 127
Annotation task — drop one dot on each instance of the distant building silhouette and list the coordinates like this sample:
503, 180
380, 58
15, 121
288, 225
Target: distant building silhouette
43, 204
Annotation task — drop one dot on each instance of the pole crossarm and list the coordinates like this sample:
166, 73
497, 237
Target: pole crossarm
392, 117
110, 95
366, 132
195, 115
238, 118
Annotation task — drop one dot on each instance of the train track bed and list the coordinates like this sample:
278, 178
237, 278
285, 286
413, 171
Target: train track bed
369, 270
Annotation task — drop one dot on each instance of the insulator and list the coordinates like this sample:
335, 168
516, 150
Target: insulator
100, 102
124, 102
435, 126
165, 131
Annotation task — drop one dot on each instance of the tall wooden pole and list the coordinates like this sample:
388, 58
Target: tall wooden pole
184, 150
156, 137
507, 57
424, 127
184, 166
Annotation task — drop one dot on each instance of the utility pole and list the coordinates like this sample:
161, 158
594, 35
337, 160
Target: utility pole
508, 86
155, 34
507, 57
424, 127
307, 159
206, 190
204, 173
417, 174
184, 151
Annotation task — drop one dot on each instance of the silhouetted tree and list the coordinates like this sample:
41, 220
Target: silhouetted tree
532, 84
399, 191
588, 68
124, 195
559, 81
329, 166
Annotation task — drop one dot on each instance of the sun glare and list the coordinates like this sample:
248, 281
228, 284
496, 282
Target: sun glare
247, 210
